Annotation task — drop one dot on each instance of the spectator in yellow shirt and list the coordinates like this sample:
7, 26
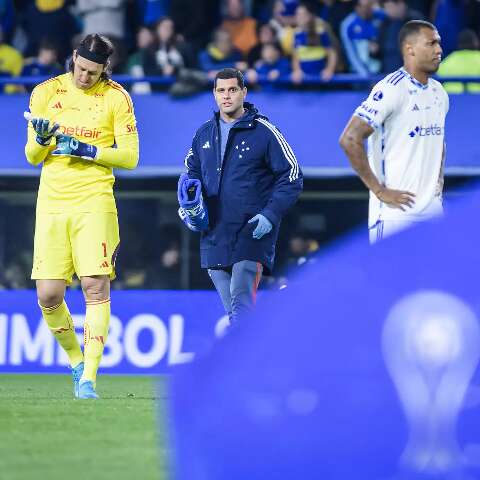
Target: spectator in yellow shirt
11, 64
463, 62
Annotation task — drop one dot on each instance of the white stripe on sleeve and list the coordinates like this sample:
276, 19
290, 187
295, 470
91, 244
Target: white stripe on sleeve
189, 154
286, 149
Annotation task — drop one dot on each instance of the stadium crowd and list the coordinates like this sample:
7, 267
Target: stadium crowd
187, 41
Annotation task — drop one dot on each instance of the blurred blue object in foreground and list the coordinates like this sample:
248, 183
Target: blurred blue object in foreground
364, 368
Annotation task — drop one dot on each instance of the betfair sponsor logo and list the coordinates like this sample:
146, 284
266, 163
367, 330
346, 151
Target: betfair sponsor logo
432, 130
81, 131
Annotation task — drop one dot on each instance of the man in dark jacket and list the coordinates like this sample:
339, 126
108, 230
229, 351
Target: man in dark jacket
249, 178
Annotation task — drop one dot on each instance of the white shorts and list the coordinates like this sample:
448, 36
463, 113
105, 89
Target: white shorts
385, 228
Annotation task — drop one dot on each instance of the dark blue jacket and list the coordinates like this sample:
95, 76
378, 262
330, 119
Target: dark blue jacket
259, 174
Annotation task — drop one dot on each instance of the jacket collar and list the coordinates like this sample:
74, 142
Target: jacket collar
414, 80
247, 120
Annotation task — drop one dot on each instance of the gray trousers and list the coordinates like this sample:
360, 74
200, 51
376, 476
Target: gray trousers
237, 286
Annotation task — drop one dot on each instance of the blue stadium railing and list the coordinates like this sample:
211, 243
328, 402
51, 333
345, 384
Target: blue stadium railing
341, 79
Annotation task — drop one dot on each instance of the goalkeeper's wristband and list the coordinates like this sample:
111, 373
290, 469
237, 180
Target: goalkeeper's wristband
67, 145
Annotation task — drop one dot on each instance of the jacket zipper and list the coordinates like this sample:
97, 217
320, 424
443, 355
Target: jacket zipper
219, 155
220, 160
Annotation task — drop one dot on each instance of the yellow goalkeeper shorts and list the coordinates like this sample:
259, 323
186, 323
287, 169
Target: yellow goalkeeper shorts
81, 243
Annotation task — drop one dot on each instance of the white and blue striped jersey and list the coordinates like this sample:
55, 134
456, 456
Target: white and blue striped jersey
405, 150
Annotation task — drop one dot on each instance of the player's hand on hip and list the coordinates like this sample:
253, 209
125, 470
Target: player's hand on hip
263, 227
67, 145
396, 198
44, 130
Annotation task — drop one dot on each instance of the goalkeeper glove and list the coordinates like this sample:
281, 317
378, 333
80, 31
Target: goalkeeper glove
186, 220
263, 227
192, 211
67, 145
43, 130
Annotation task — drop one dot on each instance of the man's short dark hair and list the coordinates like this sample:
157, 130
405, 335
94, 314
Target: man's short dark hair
227, 73
413, 27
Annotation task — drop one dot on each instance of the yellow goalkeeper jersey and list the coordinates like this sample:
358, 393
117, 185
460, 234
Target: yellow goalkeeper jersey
102, 116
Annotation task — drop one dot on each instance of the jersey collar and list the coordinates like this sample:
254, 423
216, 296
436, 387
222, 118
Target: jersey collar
415, 81
88, 91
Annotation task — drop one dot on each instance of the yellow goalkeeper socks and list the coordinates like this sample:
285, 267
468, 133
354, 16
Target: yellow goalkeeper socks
97, 320
60, 323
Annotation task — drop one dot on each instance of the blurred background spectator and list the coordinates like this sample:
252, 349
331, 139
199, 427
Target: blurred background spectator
44, 64
172, 53
266, 34
334, 12
313, 52
464, 62
7, 19
472, 14
150, 11
272, 64
359, 33
49, 19
103, 16
242, 29
397, 13
284, 11
11, 64
137, 62
165, 270
160, 53
283, 24
449, 18
107, 17
195, 20
221, 53
300, 246
16, 276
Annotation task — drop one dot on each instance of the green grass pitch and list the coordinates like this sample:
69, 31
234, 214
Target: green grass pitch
46, 434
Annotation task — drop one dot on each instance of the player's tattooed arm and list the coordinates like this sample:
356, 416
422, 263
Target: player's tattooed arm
352, 141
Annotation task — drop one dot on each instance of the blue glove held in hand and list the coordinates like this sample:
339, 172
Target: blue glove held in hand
186, 220
193, 211
44, 131
263, 227
67, 145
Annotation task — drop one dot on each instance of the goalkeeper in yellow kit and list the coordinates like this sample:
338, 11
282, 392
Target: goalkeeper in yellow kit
82, 125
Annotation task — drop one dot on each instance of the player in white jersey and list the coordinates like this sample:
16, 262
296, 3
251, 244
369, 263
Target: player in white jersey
404, 121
